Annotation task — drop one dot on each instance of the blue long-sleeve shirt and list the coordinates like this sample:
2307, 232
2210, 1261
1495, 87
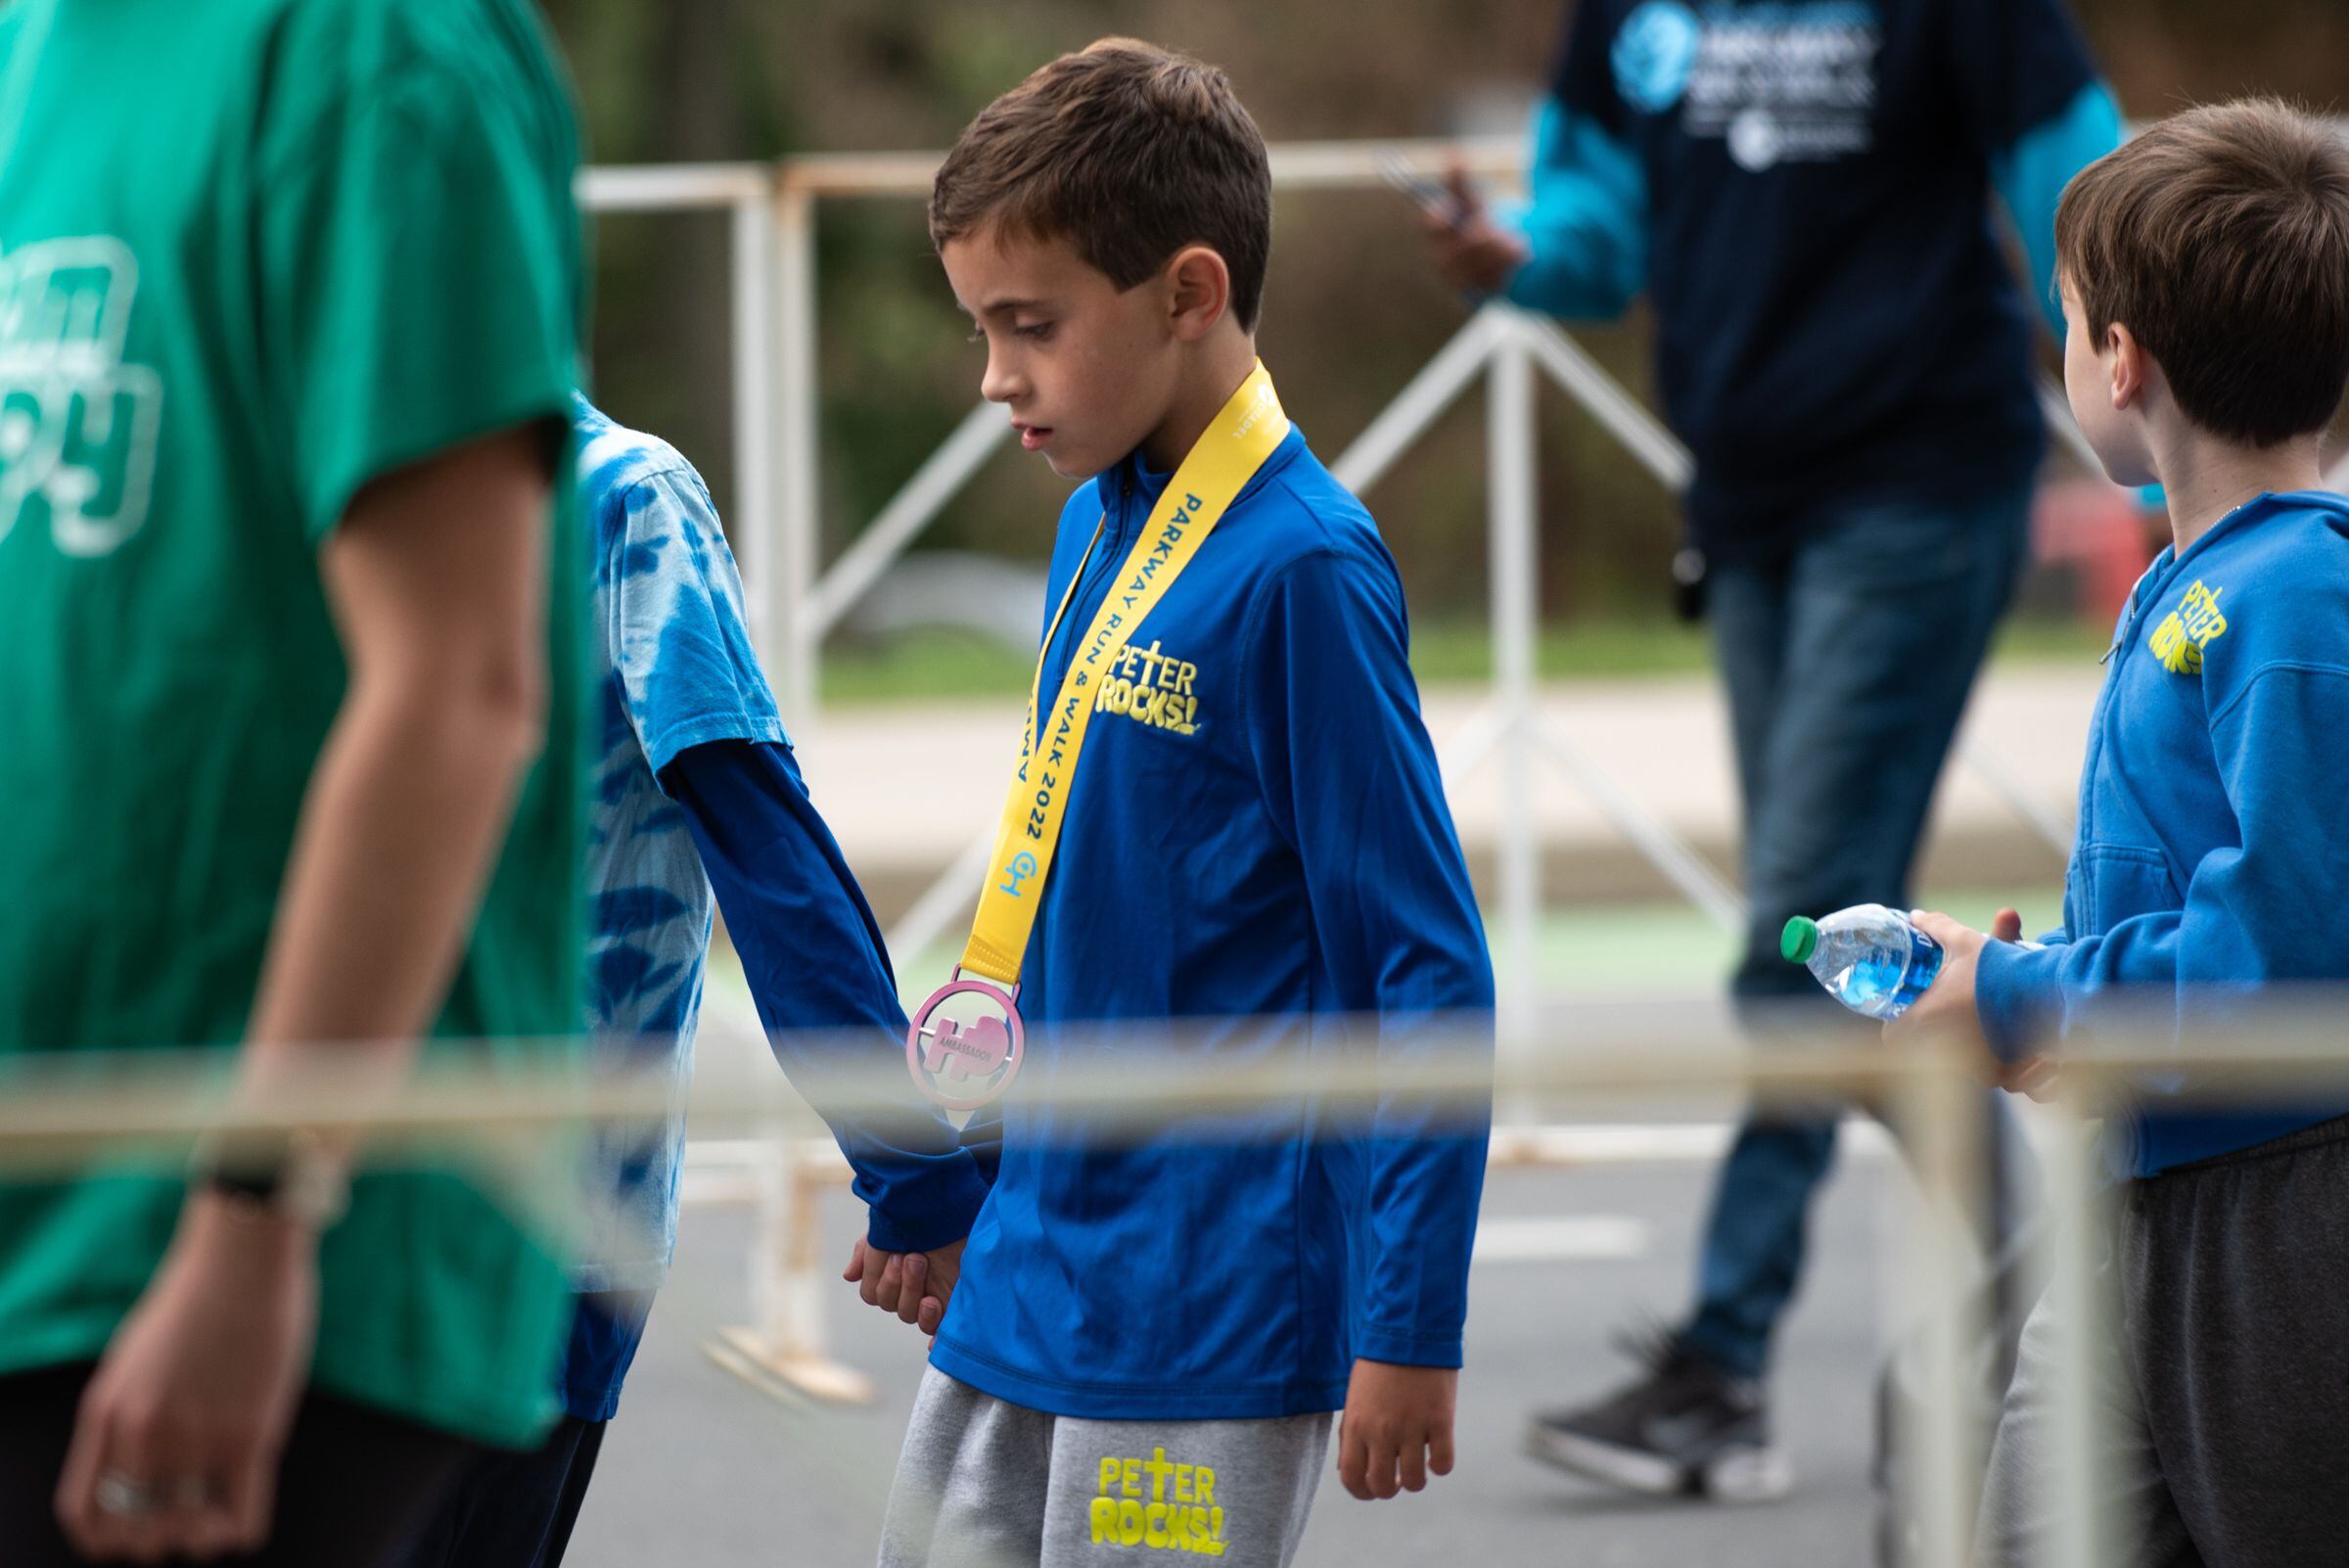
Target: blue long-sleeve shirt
695, 785
1802, 189
2213, 857
1256, 848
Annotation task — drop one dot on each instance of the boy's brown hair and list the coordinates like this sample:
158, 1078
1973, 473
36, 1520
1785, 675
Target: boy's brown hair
1128, 152
2220, 238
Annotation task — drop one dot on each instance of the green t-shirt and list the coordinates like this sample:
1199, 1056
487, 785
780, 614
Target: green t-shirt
253, 253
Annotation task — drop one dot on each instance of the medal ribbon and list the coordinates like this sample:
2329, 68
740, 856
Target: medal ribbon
1223, 460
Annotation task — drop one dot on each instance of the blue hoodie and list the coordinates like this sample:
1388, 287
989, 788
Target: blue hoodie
1256, 843
2213, 855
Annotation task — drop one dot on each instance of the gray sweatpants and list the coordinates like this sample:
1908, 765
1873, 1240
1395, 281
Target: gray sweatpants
985, 1484
2221, 1383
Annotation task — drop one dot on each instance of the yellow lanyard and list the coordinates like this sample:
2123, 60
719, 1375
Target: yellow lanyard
1235, 445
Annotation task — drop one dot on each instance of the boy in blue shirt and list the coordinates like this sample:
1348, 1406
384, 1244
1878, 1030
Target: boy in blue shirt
697, 799
1238, 825
2205, 278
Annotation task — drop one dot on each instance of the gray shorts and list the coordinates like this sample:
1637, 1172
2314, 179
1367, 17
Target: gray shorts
986, 1484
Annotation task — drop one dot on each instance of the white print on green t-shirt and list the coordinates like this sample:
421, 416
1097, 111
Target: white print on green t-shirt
77, 424
1158, 1504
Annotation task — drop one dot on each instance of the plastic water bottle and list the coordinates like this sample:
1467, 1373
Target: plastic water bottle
1871, 958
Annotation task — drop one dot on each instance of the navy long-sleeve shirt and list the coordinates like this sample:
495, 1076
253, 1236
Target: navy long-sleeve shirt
814, 956
1802, 190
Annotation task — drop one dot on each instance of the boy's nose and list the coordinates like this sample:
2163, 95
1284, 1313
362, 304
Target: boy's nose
1000, 383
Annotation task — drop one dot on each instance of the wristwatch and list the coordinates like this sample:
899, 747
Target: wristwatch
300, 1180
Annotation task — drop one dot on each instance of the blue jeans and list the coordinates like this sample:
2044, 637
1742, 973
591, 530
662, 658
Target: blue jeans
1847, 661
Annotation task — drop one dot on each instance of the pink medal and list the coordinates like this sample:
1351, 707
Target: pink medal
965, 1045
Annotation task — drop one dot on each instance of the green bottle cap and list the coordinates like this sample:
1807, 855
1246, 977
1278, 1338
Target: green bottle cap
1800, 940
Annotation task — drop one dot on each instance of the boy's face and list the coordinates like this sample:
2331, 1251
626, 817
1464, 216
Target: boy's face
1087, 370
2100, 391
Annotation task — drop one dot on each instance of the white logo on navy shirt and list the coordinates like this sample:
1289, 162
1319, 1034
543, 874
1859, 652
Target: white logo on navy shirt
1654, 53
1791, 82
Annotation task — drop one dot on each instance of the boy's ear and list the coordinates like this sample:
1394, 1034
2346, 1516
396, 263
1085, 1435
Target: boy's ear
2133, 369
1198, 292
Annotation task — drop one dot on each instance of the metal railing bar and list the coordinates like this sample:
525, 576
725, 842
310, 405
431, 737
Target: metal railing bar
1641, 432
1424, 398
2009, 787
673, 187
81, 1099
754, 360
1936, 1110
1513, 502
677, 187
2057, 406
911, 510
1296, 165
1664, 848
2082, 1537
951, 893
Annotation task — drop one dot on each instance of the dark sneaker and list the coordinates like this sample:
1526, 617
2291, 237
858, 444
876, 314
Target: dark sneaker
1685, 1429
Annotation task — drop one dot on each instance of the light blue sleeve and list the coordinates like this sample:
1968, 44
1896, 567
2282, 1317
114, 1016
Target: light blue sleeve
1586, 222
679, 639
2030, 176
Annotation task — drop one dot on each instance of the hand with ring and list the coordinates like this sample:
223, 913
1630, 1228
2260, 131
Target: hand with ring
118, 1495
176, 1446
122, 1497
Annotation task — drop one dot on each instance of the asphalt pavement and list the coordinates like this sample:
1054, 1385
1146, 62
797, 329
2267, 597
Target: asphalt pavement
702, 1468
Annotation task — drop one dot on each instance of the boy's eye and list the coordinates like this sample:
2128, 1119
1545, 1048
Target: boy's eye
1035, 331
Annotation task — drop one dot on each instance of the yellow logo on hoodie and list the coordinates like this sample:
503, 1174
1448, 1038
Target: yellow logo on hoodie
2196, 623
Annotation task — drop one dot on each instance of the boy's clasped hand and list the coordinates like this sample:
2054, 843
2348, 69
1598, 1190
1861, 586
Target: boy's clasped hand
914, 1285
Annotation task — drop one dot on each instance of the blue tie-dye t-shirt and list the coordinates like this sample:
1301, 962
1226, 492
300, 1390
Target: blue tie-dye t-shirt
677, 671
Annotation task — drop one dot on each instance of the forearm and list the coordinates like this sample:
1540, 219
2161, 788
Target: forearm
2257, 913
1427, 1152
1585, 225
819, 976
398, 828
411, 797
1413, 964
1412, 956
1336, 729
2155, 977
438, 578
